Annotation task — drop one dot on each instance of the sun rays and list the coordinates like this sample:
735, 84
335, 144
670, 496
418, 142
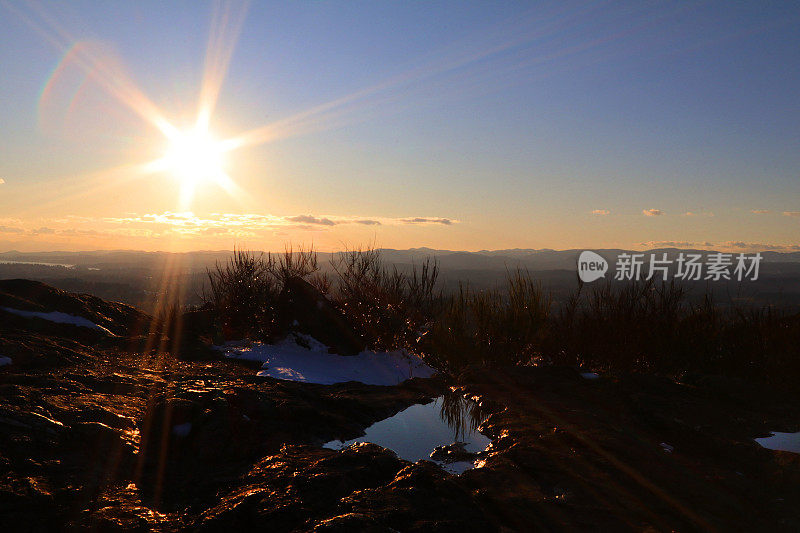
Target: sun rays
193, 156
196, 158
176, 149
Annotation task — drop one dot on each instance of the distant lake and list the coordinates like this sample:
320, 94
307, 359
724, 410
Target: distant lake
8, 262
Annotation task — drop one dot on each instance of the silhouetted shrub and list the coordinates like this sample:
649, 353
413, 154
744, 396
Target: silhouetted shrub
652, 327
243, 292
289, 264
506, 326
389, 307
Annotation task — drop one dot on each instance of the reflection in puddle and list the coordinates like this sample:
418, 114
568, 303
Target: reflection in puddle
463, 415
415, 432
787, 442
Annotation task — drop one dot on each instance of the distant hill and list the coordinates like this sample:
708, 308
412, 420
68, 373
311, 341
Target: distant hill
138, 278
544, 259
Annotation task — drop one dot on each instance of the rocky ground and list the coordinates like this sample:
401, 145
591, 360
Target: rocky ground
138, 432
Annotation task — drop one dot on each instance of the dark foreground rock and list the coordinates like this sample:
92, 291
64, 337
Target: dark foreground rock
303, 308
451, 453
27, 295
121, 434
364, 487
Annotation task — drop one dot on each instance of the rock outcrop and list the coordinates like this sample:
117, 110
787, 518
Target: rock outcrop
303, 308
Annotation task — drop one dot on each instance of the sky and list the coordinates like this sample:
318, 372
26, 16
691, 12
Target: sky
452, 125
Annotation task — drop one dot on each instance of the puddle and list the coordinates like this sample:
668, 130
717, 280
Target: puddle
787, 442
415, 432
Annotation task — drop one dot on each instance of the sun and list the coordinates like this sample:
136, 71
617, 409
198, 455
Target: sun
194, 157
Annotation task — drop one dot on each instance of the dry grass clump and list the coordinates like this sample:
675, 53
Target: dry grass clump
389, 307
244, 291
653, 327
496, 327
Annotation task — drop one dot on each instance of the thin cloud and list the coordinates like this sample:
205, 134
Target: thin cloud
425, 220
601, 212
252, 222
675, 244
43, 231
700, 214
730, 246
310, 219
760, 211
11, 229
792, 213
189, 225
2, 181
652, 212
758, 246
81, 232
226, 232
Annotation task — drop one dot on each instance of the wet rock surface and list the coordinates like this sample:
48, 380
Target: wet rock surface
121, 435
451, 453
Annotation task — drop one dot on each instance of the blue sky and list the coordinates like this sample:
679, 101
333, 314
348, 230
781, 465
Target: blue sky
521, 124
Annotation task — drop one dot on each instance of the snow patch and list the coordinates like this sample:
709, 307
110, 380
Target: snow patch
58, 317
5, 361
787, 442
303, 358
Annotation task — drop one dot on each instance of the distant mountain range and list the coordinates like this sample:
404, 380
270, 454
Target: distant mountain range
546, 259
139, 278
534, 260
